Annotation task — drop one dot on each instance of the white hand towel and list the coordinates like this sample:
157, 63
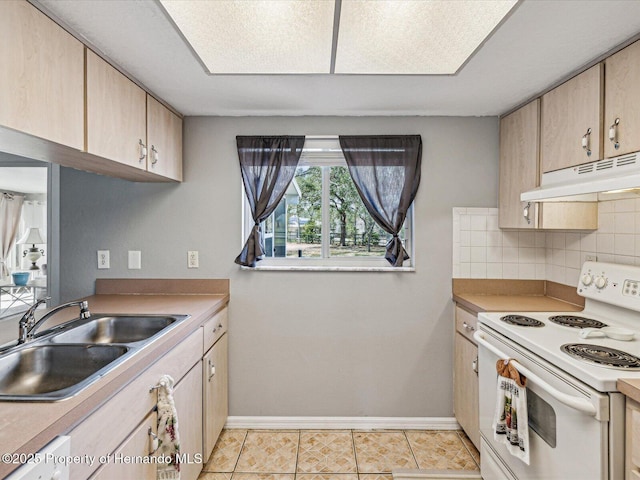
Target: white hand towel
169, 439
511, 421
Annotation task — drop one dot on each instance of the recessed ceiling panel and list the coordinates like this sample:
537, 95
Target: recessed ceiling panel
251, 37
414, 37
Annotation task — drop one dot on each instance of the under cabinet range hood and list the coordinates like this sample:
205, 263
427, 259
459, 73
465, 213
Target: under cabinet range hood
586, 182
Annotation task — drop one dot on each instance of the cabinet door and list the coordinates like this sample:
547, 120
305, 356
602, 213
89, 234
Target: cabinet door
164, 135
465, 388
567, 114
138, 444
216, 398
41, 76
632, 440
116, 114
622, 99
519, 140
187, 396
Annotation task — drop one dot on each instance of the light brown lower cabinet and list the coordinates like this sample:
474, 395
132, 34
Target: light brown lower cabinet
138, 445
632, 440
216, 404
120, 428
188, 400
465, 375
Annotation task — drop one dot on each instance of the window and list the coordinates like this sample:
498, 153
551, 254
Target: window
321, 222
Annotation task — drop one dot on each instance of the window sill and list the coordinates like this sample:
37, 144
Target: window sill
326, 268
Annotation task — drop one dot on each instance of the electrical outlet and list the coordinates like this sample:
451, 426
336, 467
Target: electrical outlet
590, 258
192, 259
135, 260
103, 259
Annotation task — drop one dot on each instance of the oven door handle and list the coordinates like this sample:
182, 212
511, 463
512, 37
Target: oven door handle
578, 403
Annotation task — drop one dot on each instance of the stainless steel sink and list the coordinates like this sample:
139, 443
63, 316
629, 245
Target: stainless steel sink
61, 362
53, 372
116, 329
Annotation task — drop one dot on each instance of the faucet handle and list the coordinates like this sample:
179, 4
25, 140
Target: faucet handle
84, 309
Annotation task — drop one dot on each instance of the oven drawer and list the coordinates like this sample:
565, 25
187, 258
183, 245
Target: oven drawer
466, 323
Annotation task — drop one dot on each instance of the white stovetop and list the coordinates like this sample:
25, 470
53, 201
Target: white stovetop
546, 341
616, 304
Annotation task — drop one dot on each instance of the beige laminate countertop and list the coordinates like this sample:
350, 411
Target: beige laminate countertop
630, 387
497, 295
514, 303
26, 427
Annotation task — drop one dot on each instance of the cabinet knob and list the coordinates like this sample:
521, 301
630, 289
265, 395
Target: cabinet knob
586, 142
154, 155
468, 327
474, 365
613, 133
143, 150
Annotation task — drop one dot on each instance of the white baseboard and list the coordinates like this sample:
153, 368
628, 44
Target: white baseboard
345, 423
413, 474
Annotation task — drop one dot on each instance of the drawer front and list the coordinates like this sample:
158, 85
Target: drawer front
215, 327
116, 418
466, 323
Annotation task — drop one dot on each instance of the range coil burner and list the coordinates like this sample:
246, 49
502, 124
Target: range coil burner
576, 322
522, 321
602, 356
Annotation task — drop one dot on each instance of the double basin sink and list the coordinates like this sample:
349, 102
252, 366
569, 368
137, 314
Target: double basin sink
62, 361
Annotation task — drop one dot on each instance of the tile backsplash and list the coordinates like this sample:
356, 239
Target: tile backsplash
482, 250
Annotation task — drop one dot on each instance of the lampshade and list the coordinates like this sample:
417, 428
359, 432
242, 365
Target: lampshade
31, 237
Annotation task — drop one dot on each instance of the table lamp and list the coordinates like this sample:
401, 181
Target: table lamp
33, 254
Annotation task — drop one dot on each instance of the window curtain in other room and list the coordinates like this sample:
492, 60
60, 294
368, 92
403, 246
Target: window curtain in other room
10, 211
386, 172
268, 165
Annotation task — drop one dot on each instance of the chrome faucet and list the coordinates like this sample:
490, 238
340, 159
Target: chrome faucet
28, 324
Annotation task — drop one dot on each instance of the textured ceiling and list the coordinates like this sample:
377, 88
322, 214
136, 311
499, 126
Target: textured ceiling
538, 44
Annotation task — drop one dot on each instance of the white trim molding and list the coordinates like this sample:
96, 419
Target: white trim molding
413, 474
327, 423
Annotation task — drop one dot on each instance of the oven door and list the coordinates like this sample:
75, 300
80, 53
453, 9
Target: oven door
565, 443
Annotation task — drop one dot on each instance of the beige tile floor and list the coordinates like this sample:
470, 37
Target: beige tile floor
335, 454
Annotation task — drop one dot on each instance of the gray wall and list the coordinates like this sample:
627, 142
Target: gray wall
301, 343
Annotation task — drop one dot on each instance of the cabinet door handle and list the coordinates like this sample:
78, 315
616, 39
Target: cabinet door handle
212, 369
215, 329
154, 155
154, 442
143, 150
469, 328
586, 142
613, 133
474, 365
526, 213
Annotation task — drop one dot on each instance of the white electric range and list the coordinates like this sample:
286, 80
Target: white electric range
576, 414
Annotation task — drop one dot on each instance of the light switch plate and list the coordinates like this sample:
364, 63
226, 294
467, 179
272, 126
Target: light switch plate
103, 259
135, 259
192, 259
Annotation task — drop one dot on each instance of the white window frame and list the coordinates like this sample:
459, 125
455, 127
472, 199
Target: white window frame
325, 151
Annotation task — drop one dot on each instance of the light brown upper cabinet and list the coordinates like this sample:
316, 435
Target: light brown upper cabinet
571, 121
116, 115
519, 147
41, 76
164, 139
622, 102
519, 172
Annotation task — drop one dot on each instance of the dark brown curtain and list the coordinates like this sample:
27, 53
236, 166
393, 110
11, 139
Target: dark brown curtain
268, 165
386, 172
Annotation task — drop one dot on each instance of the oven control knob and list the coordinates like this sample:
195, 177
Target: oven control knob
587, 279
601, 282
